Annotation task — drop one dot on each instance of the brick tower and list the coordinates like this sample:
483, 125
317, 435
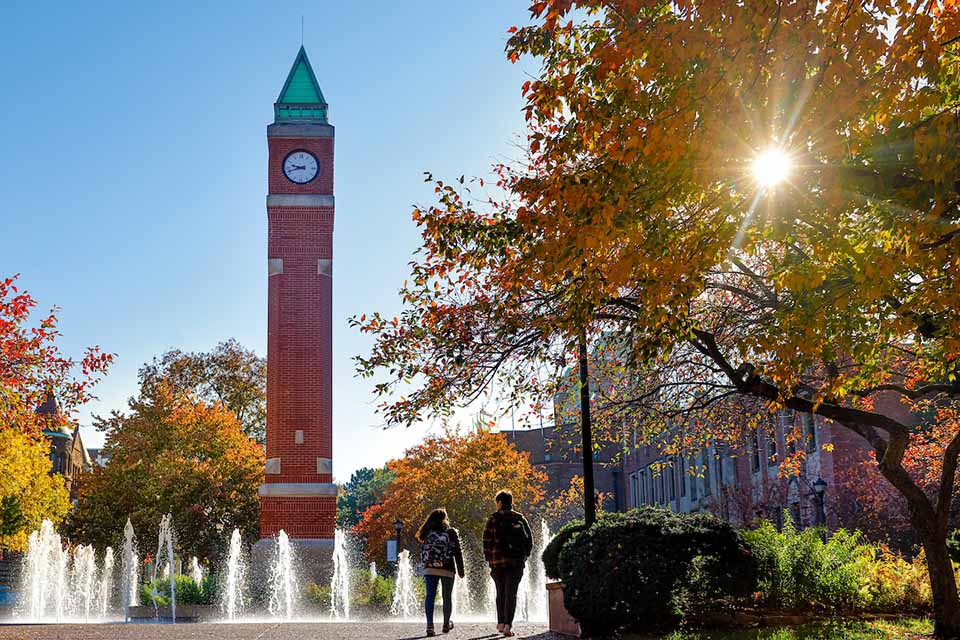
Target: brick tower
297, 494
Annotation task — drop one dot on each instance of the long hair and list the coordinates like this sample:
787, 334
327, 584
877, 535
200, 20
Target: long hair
436, 521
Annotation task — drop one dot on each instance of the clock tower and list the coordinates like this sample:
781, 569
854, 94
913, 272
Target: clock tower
298, 495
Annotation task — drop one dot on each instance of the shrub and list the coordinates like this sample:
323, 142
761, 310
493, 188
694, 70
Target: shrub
187, 591
800, 571
375, 594
551, 553
317, 595
632, 569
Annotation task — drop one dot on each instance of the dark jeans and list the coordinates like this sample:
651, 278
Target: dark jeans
431, 600
507, 579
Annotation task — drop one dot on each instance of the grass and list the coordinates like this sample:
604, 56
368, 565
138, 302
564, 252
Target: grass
903, 629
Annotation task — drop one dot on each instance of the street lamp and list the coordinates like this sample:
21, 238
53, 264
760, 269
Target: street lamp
819, 490
398, 525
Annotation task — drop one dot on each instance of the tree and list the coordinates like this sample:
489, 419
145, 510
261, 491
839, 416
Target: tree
31, 369
230, 374
365, 489
172, 454
459, 472
12, 520
638, 215
29, 492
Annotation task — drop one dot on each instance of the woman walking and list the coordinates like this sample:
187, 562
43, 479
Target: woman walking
442, 560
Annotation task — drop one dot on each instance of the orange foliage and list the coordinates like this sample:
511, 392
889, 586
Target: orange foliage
459, 472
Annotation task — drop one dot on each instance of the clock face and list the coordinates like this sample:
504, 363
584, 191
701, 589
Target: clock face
300, 167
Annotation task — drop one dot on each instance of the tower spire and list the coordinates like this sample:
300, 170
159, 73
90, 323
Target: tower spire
300, 99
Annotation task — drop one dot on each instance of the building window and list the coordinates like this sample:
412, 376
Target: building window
634, 498
810, 432
663, 485
772, 449
755, 452
683, 477
547, 457
643, 487
672, 480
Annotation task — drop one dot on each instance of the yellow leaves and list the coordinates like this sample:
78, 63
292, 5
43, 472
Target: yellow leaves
24, 474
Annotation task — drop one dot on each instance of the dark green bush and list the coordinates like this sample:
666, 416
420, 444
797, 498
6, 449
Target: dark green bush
551, 553
635, 570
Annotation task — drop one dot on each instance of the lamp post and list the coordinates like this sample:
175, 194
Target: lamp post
398, 525
589, 500
819, 492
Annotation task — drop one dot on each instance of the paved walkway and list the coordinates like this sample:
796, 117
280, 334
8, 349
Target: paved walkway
265, 631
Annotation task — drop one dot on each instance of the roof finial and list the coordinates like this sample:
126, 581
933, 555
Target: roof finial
301, 29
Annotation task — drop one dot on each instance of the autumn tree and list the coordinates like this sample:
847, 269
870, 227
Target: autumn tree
229, 373
172, 453
31, 368
364, 489
459, 472
646, 210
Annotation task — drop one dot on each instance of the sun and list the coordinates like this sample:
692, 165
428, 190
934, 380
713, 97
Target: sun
771, 167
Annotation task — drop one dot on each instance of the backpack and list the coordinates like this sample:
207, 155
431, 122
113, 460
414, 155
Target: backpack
513, 538
436, 550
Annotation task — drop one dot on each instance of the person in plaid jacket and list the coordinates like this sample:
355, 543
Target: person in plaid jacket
507, 542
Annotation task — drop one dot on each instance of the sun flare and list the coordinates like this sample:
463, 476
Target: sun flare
771, 167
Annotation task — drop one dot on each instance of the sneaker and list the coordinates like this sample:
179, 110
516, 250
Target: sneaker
507, 631
431, 632
500, 627
447, 627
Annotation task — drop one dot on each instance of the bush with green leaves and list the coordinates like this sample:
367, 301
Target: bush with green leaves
317, 595
799, 571
186, 590
636, 569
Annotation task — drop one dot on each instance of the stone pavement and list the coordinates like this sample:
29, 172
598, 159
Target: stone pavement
263, 631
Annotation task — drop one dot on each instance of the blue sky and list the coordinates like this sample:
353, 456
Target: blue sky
134, 166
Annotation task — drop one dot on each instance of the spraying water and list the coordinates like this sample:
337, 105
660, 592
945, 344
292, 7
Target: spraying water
59, 585
105, 588
282, 580
165, 555
84, 576
131, 571
373, 571
196, 572
461, 598
340, 581
231, 598
404, 597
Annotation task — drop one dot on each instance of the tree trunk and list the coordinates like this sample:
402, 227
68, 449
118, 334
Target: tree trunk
943, 584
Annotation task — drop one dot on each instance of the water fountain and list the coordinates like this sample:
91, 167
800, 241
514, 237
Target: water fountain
105, 588
404, 596
64, 584
340, 581
165, 555
196, 572
461, 598
232, 597
130, 584
282, 583
83, 577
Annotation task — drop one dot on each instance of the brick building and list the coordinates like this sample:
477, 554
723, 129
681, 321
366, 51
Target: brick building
555, 451
68, 456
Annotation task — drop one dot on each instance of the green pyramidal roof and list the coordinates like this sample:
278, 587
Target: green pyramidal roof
301, 98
